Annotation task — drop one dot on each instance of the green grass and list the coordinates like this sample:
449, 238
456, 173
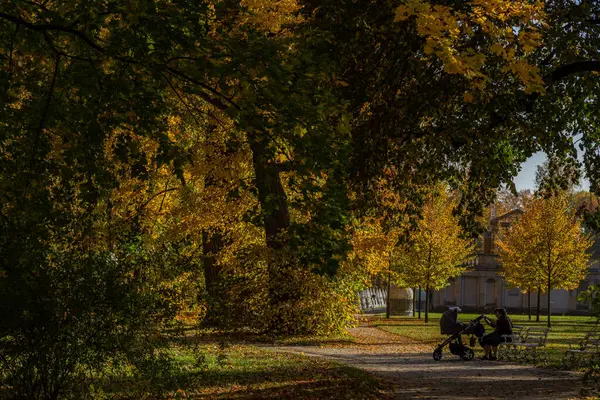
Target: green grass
252, 372
208, 368
565, 329
322, 341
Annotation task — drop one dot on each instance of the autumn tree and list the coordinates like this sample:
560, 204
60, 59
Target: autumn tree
545, 248
437, 250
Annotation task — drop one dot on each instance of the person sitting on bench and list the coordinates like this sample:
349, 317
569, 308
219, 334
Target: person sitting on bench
502, 326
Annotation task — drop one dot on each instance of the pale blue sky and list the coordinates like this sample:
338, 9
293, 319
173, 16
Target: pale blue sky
526, 178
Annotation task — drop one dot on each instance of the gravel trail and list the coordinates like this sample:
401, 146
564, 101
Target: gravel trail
417, 376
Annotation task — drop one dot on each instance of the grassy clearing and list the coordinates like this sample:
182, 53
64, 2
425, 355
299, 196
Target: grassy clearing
565, 329
206, 367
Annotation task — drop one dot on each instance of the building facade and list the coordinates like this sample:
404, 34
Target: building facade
482, 288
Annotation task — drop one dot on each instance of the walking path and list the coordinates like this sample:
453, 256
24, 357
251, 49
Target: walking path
418, 376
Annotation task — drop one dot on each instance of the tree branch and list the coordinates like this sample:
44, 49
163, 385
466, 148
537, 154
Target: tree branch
183, 76
569, 69
190, 107
43, 118
52, 27
155, 196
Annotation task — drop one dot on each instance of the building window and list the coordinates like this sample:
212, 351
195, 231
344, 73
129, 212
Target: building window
514, 292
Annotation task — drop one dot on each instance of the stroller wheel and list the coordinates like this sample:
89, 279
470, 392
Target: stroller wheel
437, 354
467, 354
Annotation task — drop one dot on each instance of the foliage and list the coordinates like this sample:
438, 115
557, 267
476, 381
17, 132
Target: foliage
545, 248
438, 250
586, 204
591, 296
90, 308
556, 175
449, 32
149, 145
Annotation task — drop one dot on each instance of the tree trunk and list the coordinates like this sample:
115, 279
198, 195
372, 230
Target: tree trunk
529, 303
271, 194
387, 297
211, 245
419, 305
276, 220
539, 299
414, 301
426, 304
549, 288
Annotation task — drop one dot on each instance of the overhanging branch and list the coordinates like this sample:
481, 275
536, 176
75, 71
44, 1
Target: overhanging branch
570, 69
52, 27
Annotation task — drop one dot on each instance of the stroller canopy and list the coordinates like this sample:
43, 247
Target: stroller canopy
449, 324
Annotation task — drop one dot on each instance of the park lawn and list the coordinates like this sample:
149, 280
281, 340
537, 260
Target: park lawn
565, 329
212, 369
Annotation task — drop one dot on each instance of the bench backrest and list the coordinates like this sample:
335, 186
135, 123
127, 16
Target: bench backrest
519, 332
536, 335
591, 339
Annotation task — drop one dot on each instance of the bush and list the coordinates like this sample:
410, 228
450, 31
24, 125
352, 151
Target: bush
69, 316
288, 300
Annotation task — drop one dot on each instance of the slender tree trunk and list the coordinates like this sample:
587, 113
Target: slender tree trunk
419, 305
539, 300
426, 304
387, 297
549, 311
211, 245
414, 301
529, 303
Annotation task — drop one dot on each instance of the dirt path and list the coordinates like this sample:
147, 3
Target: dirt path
418, 376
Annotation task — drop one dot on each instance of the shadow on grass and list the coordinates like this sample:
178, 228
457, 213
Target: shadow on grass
333, 389
257, 377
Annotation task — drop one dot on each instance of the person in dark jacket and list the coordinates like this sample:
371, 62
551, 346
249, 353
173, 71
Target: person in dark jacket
502, 326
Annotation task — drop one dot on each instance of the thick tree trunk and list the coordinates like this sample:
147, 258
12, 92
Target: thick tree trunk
529, 303
539, 300
211, 245
276, 220
427, 304
271, 194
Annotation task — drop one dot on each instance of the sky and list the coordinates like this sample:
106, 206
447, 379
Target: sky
526, 178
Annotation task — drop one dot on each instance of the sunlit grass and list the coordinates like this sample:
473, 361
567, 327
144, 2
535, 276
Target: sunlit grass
252, 372
215, 366
565, 329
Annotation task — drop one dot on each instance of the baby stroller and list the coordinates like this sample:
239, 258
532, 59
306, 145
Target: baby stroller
449, 325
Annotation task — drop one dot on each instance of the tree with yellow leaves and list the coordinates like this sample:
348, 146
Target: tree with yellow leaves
437, 250
545, 248
512, 27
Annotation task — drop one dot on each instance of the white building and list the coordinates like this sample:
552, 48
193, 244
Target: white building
483, 289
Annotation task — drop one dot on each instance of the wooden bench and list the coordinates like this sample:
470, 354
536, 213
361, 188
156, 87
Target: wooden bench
527, 345
583, 353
